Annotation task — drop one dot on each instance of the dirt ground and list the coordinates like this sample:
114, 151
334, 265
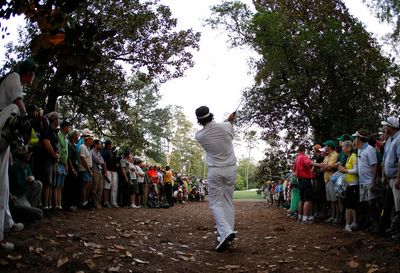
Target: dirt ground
181, 239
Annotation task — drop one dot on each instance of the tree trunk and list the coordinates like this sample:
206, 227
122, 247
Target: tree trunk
51, 102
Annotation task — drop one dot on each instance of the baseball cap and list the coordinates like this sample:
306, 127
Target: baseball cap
392, 122
65, 123
357, 134
330, 143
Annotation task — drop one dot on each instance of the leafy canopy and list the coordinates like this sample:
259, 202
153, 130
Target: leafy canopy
320, 73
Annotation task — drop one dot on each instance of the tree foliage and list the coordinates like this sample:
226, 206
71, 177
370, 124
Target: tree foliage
84, 50
389, 11
100, 36
186, 154
244, 166
276, 164
319, 74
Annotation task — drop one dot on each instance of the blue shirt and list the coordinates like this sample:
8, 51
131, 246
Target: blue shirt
367, 159
391, 155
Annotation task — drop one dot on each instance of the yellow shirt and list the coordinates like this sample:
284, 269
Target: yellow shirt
350, 163
168, 177
331, 161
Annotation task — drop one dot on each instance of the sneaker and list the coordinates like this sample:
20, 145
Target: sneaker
329, 220
115, 206
396, 236
354, 226
6, 245
17, 227
84, 204
131, 206
231, 238
307, 221
311, 219
336, 221
348, 228
223, 244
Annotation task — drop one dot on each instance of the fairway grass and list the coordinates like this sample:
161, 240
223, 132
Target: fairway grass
247, 195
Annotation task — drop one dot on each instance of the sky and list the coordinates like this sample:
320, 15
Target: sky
220, 73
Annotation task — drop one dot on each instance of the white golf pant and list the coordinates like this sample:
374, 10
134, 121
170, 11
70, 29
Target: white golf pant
5, 214
221, 185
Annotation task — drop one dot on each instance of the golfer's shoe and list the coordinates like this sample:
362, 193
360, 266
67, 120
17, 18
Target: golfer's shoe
223, 244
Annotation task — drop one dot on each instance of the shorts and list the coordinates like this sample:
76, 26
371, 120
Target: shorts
133, 187
366, 194
396, 194
109, 178
306, 189
60, 178
352, 196
141, 188
47, 173
330, 193
85, 176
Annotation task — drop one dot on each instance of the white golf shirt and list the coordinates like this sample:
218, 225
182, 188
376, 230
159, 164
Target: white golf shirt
216, 139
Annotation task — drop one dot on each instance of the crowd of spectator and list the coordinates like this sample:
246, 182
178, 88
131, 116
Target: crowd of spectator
63, 169
47, 166
353, 182
277, 193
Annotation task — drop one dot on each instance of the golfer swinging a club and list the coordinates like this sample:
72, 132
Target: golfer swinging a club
216, 139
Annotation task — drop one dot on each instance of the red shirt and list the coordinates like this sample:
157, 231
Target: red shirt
152, 174
302, 166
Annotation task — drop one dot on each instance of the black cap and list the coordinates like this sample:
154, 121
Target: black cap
27, 66
31, 108
202, 112
65, 123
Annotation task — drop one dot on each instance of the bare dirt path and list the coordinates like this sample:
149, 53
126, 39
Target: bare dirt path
181, 239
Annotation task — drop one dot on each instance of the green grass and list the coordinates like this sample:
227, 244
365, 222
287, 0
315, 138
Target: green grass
246, 195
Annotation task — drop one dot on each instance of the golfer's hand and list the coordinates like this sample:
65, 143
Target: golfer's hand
231, 117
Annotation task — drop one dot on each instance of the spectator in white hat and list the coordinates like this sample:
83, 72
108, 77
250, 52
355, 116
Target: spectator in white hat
391, 168
85, 168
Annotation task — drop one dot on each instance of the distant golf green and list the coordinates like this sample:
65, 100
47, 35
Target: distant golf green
246, 195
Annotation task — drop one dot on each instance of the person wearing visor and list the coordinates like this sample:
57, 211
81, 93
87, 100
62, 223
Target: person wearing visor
367, 176
217, 141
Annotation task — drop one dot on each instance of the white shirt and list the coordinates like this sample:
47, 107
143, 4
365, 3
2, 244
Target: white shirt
85, 153
132, 171
217, 140
10, 90
366, 161
139, 170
